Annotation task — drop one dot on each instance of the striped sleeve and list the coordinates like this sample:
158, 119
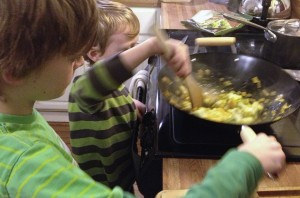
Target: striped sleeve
42, 171
97, 83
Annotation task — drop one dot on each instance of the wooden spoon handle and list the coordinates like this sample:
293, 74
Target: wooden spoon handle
247, 134
195, 91
162, 37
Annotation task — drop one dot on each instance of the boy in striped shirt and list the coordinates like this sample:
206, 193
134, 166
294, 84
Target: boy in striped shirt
101, 133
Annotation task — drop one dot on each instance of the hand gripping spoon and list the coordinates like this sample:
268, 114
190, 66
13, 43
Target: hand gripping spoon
195, 90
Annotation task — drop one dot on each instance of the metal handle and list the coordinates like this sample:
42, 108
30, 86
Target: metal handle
269, 35
244, 21
140, 94
265, 4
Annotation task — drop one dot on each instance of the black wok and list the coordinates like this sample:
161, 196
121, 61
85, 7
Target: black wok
239, 70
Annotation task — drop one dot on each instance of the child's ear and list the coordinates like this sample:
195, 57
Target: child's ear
94, 54
10, 79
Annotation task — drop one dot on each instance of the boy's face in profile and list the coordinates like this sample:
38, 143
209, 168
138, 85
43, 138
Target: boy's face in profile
119, 42
52, 80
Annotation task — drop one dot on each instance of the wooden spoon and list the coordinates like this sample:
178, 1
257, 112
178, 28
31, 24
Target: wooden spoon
195, 90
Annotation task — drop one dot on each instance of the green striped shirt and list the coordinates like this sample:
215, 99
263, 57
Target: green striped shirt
34, 163
102, 116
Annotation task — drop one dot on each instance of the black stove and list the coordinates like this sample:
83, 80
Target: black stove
178, 134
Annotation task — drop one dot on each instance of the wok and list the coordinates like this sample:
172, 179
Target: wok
223, 72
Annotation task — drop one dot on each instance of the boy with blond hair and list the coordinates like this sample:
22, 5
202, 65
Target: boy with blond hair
101, 133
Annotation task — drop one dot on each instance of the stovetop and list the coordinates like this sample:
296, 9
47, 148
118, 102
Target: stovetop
198, 139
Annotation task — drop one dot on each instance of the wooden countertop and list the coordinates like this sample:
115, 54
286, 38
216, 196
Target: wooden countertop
173, 13
140, 3
183, 173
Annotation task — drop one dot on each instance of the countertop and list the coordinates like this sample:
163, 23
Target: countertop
173, 13
140, 3
179, 173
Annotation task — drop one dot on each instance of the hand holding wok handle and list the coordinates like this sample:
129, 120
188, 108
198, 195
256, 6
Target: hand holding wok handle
265, 148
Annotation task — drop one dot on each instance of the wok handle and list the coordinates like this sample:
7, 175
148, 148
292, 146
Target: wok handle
247, 134
215, 41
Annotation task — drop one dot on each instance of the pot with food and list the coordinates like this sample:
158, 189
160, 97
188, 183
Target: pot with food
238, 89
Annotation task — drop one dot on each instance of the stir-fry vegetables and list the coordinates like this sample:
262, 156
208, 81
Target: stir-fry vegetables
225, 104
230, 107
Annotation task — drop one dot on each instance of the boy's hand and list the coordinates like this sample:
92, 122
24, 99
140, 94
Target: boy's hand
179, 58
140, 109
175, 53
267, 150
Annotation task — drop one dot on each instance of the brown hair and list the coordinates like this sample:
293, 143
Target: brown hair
32, 31
115, 17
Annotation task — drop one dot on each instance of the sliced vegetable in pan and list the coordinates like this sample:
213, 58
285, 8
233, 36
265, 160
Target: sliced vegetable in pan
224, 104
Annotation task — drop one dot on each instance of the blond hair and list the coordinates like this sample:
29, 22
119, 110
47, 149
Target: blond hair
32, 31
115, 17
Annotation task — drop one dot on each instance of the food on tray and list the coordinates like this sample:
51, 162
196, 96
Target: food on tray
214, 22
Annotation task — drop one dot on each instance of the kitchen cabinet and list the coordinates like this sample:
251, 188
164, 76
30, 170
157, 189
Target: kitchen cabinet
56, 110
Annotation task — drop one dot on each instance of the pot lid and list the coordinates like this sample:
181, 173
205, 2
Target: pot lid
289, 27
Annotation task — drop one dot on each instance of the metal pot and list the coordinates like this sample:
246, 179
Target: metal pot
285, 52
282, 41
266, 9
